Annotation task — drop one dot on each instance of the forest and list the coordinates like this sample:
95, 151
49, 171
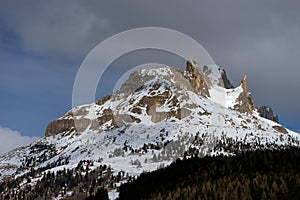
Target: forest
260, 174
84, 181
255, 174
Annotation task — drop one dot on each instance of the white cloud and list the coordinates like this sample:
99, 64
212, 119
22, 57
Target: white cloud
11, 139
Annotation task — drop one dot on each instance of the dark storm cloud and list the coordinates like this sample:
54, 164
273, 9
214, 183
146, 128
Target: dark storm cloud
258, 38
65, 27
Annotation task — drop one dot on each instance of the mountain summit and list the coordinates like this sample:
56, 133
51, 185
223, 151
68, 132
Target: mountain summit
149, 90
157, 116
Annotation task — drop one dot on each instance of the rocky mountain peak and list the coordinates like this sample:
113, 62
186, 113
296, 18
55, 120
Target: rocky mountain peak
158, 94
244, 83
226, 82
197, 78
216, 75
245, 103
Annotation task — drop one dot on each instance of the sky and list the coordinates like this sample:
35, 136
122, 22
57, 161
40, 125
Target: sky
43, 43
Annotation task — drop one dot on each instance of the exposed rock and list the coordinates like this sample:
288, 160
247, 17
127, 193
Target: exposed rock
103, 100
116, 119
179, 113
137, 79
83, 123
107, 116
136, 110
180, 80
151, 103
245, 102
244, 83
280, 129
196, 78
119, 120
59, 126
226, 81
134, 83
68, 115
267, 112
216, 76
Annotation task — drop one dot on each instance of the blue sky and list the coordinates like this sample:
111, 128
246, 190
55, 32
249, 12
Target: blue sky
42, 45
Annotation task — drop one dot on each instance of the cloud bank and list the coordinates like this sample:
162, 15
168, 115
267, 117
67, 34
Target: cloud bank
11, 139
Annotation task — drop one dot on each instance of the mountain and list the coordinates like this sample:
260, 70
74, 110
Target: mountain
157, 116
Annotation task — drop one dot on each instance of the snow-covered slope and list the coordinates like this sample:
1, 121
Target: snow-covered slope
155, 118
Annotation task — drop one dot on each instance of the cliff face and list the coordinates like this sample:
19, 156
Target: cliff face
196, 78
59, 126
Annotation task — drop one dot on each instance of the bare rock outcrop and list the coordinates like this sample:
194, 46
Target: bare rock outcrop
226, 81
245, 102
280, 129
196, 78
216, 76
103, 100
59, 126
267, 112
151, 103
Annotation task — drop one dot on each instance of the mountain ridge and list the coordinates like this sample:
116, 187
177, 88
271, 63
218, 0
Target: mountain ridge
199, 80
